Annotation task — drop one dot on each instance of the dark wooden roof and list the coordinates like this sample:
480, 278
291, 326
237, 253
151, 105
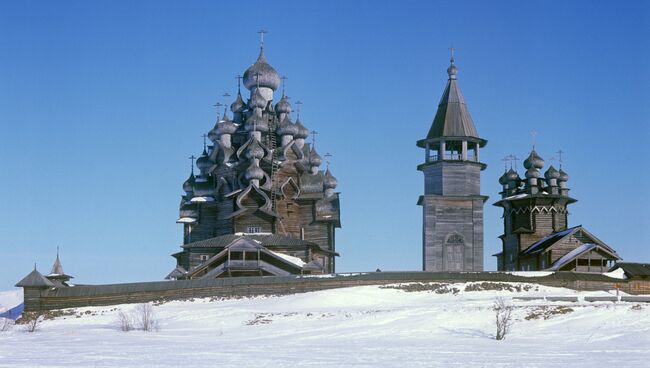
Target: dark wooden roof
546, 242
633, 269
264, 240
452, 118
35, 279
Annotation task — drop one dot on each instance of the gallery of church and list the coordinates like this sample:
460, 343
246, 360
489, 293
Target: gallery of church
261, 201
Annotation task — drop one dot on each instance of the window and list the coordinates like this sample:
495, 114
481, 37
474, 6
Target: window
254, 229
204, 257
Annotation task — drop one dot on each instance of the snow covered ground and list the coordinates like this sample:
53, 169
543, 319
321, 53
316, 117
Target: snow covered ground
367, 326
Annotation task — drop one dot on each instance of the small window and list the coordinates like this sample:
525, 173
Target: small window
254, 229
204, 257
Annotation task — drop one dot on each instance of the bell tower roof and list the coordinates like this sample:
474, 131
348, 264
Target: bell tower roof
452, 119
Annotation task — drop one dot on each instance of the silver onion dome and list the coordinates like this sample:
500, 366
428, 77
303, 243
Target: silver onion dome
330, 181
283, 106
188, 185
286, 127
256, 122
238, 105
534, 160
261, 73
563, 176
225, 126
314, 158
552, 173
503, 179
203, 162
513, 176
254, 172
302, 131
254, 150
532, 173
452, 71
257, 100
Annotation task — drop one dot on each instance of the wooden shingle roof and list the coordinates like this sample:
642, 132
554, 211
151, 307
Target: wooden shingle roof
264, 239
633, 269
34, 279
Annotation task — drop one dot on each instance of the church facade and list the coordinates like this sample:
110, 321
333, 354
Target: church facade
260, 203
452, 206
536, 235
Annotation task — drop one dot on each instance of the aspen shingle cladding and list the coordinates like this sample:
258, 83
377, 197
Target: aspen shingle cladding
255, 177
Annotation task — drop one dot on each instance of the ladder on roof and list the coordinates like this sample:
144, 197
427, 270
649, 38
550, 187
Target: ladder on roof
272, 144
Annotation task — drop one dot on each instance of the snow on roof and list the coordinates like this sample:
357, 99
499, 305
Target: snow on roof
295, 260
186, 220
571, 255
202, 199
551, 238
517, 196
618, 273
531, 273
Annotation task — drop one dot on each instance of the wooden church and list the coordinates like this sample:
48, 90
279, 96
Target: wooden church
260, 203
536, 235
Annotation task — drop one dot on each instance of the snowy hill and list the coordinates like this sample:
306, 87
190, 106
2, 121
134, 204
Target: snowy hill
10, 299
420, 325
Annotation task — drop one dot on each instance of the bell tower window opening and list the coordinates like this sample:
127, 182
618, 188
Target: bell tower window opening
253, 229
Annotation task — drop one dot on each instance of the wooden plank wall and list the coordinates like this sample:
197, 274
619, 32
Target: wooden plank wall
178, 290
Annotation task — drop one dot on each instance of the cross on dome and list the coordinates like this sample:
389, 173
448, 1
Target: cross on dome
261, 32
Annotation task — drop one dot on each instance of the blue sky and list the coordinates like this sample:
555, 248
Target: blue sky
102, 102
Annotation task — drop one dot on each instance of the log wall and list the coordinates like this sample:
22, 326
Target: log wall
98, 295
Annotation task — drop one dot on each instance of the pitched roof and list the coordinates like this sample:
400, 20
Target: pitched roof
265, 240
633, 269
546, 242
575, 253
177, 272
57, 268
34, 279
452, 117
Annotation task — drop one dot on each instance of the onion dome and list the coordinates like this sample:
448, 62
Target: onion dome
212, 134
552, 173
238, 105
257, 100
188, 185
283, 106
302, 131
534, 160
314, 158
254, 150
563, 176
513, 176
203, 162
330, 181
225, 126
286, 127
503, 180
262, 74
254, 172
256, 122
532, 173
452, 71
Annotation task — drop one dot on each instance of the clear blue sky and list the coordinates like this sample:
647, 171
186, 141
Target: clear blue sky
102, 102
